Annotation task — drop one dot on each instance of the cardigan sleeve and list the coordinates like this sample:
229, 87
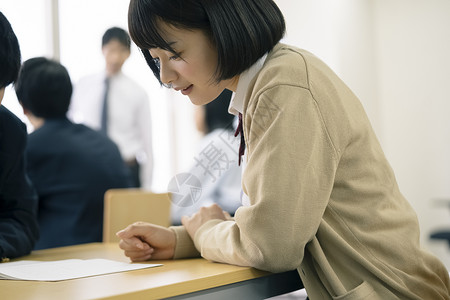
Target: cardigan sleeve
291, 163
184, 245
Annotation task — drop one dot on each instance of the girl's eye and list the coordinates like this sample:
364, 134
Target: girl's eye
177, 56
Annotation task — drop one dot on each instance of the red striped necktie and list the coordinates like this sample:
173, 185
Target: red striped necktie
240, 130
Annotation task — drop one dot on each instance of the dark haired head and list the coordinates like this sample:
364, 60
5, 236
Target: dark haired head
44, 88
241, 30
216, 112
9, 53
116, 33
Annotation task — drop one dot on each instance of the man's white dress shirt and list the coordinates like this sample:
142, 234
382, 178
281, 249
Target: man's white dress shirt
129, 118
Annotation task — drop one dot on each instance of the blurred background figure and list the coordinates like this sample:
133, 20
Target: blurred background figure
216, 162
18, 201
70, 165
113, 103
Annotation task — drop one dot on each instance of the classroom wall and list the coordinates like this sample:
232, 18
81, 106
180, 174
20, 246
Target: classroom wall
413, 45
395, 56
34, 40
341, 34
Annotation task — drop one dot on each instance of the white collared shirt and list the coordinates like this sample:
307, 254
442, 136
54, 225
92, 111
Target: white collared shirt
238, 98
129, 117
237, 105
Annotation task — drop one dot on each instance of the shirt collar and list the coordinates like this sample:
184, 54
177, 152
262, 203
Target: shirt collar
112, 77
238, 98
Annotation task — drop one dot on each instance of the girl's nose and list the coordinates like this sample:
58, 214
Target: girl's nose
167, 74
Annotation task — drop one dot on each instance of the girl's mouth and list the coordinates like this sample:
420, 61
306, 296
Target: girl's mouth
187, 90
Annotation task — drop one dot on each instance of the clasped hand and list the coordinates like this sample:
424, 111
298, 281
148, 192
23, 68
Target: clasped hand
143, 241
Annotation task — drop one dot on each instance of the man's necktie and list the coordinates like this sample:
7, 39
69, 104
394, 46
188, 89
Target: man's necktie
104, 119
240, 130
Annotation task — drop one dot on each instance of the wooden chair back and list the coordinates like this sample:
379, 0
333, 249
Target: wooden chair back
123, 207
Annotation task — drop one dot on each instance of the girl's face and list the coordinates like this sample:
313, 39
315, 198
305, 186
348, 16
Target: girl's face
192, 71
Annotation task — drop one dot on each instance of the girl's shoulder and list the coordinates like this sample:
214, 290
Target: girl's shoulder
285, 65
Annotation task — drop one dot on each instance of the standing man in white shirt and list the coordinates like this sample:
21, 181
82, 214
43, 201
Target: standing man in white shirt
116, 105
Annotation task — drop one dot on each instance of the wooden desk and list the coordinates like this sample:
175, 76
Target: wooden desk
189, 278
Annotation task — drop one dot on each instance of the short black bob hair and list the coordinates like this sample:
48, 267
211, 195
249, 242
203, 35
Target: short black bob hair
44, 88
241, 30
9, 53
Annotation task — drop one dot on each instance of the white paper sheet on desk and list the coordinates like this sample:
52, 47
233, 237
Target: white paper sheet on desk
64, 269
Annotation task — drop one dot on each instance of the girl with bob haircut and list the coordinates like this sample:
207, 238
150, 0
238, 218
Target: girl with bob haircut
318, 193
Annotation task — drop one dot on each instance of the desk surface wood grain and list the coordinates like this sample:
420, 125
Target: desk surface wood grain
175, 277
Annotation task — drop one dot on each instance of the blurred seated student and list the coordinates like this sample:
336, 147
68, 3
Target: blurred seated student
215, 165
18, 201
70, 165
